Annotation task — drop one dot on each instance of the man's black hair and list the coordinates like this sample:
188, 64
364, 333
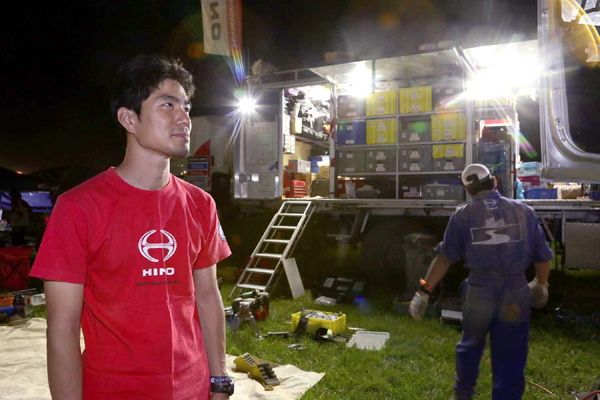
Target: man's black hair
136, 80
475, 185
15, 194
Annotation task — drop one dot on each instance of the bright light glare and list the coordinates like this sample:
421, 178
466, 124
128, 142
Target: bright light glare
360, 82
505, 78
246, 105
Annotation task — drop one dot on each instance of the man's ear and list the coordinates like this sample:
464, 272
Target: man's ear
128, 119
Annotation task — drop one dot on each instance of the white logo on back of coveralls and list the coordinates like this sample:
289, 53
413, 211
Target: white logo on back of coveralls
170, 246
496, 232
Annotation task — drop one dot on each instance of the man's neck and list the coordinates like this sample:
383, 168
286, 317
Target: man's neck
482, 194
144, 174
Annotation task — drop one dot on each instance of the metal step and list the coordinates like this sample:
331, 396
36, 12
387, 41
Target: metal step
281, 241
261, 271
250, 286
268, 237
269, 255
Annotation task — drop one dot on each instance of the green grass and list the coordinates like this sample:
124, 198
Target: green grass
418, 360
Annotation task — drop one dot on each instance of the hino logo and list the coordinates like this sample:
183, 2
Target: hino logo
170, 246
158, 271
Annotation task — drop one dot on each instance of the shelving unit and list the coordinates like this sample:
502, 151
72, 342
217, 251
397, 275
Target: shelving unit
400, 118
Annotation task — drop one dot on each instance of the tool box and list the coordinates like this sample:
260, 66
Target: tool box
319, 319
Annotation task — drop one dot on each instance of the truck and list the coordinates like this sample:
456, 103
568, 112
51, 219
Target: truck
374, 149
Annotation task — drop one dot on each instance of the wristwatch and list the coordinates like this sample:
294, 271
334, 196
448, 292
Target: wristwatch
221, 384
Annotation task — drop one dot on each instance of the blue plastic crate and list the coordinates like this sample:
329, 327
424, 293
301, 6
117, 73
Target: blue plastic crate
541, 193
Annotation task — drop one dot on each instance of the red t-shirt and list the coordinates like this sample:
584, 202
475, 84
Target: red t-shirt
134, 250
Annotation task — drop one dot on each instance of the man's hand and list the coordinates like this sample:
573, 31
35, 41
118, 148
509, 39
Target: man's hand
539, 294
219, 396
418, 305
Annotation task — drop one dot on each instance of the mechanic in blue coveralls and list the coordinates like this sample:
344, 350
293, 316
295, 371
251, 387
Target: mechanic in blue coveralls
498, 239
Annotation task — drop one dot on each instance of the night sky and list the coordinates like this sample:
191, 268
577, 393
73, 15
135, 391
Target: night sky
59, 57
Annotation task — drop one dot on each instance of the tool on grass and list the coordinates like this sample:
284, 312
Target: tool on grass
257, 369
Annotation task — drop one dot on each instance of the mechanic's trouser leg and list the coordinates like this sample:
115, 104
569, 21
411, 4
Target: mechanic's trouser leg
509, 340
478, 312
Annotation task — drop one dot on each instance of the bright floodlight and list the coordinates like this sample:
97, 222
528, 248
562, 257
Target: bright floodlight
506, 77
360, 82
246, 105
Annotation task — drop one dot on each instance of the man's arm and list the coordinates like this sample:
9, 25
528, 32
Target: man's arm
212, 318
542, 272
437, 270
64, 302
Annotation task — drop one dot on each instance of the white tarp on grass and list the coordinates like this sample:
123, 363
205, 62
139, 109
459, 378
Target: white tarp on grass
23, 369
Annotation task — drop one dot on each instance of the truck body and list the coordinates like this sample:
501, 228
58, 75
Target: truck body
381, 143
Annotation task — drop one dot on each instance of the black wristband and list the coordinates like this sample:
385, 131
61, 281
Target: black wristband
221, 384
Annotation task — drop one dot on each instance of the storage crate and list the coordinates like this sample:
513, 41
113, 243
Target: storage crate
541, 193
449, 150
447, 97
407, 165
449, 164
494, 156
411, 187
415, 100
382, 131
352, 132
335, 322
415, 131
414, 153
380, 160
532, 168
351, 161
435, 191
382, 103
448, 127
351, 107
319, 187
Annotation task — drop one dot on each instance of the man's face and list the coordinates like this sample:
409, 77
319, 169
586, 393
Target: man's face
164, 123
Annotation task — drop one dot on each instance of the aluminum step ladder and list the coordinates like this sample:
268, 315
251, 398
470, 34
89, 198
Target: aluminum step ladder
275, 245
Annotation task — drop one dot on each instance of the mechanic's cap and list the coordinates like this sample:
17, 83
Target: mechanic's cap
475, 173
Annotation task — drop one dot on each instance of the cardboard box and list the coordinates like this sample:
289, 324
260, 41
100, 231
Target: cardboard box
351, 161
407, 165
447, 97
449, 150
382, 103
351, 107
415, 100
414, 153
434, 191
323, 172
380, 160
415, 131
382, 131
299, 166
448, 127
352, 132
449, 164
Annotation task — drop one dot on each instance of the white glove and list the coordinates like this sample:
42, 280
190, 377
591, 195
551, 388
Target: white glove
418, 305
539, 294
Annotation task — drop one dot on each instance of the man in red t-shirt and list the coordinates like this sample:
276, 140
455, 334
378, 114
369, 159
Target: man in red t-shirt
130, 257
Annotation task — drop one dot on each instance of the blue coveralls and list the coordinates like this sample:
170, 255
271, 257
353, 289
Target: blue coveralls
498, 239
